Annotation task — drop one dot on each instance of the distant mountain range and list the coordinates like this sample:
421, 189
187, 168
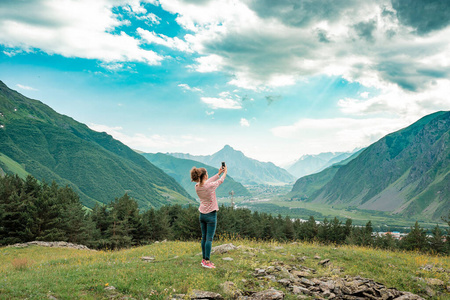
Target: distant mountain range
36, 140
180, 168
243, 169
406, 172
310, 164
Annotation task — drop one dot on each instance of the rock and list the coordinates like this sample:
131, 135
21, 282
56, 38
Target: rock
271, 294
110, 288
316, 257
52, 297
223, 248
227, 259
200, 295
430, 292
434, 281
409, 296
147, 258
52, 244
324, 262
301, 273
306, 282
177, 296
230, 289
259, 272
300, 290
278, 248
285, 282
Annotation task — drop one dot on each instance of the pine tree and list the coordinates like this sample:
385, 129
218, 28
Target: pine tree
416, 239
436, 242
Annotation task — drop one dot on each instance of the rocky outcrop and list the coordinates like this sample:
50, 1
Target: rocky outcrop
52, 244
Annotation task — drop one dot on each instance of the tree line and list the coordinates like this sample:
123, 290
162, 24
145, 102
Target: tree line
32, 210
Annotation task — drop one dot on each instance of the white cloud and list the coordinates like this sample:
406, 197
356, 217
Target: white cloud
244, 122
188, 88
148, 142
209, 113
342, 133
224, 103
71, 28
210, 63
24, 87
160, 39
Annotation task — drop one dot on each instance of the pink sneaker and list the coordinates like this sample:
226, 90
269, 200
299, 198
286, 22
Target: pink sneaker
203, 262
209, 265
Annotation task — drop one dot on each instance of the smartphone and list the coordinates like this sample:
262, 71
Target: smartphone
223, 165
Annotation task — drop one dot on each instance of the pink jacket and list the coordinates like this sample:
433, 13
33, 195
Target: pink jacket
207, 194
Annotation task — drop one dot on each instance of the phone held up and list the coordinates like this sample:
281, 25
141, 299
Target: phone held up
223, 165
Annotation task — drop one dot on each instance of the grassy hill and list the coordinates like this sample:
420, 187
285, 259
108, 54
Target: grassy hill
180, 169
37, 140
406, 172
40, 273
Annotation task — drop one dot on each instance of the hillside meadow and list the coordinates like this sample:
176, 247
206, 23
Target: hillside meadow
36, 272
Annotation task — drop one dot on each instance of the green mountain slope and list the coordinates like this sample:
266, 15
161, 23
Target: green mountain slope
307, 186
406, 172
52, 146
179, 169
243, 169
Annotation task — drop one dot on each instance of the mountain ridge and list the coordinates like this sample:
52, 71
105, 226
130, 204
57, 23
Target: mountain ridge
99, 168
179, 169
406, 172
246, 170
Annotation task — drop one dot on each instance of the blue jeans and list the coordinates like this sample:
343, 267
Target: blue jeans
208, 224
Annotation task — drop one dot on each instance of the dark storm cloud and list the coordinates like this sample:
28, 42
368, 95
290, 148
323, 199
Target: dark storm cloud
301, 13
29, 12
365, 29
322, 35
409, 76
423, 15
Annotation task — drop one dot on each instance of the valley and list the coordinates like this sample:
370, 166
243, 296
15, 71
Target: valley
274, 200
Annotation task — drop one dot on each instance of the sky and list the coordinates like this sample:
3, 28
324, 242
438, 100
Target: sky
273, 79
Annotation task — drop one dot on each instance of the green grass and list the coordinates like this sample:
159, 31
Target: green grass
38, 272
12, 166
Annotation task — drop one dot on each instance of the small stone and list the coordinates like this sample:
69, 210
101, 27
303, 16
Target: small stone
227, 259
278, 248
430, 292
178, 296
316, 257
196, 294
271, 294
285, 282
230, 289
300, 290
223, 248
110, 288
147, 258
324, 262
52, 297
300, 273
434, 281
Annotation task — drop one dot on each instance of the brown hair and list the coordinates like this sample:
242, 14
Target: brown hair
197, 174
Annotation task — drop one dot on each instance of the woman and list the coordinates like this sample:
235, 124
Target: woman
206, 191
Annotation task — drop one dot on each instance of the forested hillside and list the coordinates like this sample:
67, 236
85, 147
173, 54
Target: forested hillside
30, 210
406, 172
34, 139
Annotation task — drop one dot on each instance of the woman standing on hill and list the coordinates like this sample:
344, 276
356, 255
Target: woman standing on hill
206, 191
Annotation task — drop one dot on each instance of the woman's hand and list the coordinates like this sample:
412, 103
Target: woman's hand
221, 170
